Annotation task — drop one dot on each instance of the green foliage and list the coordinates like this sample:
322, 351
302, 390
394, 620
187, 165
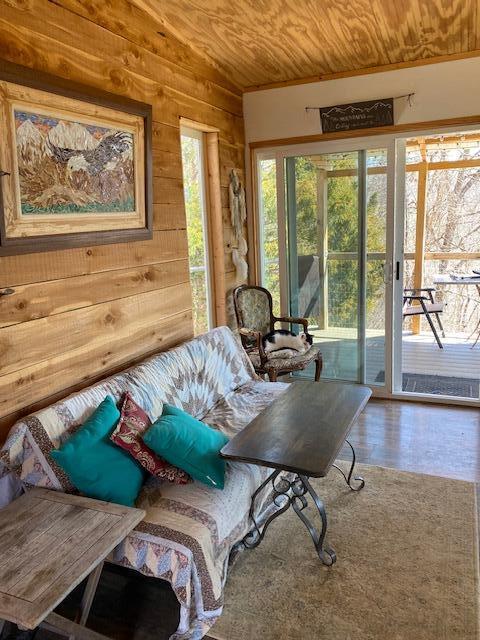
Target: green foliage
192, 183
343, 233
268, 191
194, 205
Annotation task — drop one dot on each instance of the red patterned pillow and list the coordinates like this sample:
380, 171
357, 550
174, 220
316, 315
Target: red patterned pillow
132, 425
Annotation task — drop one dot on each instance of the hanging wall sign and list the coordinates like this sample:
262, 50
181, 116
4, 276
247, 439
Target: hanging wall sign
358, 115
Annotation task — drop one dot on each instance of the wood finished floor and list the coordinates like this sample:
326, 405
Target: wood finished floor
423, 438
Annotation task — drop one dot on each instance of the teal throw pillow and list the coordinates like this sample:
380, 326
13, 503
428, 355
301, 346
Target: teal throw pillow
95, 465
171, 410
189, 444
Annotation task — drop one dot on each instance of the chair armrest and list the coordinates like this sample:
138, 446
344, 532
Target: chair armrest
248, 333
302, 321
412, 296
428, 290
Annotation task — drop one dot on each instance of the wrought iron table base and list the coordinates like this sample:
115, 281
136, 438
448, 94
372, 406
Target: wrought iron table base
348, 478
292, 493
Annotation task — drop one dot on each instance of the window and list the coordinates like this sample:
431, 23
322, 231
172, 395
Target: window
195, 189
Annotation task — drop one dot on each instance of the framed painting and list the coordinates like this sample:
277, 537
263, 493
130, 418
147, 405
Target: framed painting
75, 164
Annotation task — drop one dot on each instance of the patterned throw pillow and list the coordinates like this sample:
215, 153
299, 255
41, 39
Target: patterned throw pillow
133, 423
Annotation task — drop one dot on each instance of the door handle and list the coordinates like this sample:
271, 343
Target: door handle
388, 270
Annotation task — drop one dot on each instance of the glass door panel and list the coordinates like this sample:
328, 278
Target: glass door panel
438, 220
375, 276
336, 218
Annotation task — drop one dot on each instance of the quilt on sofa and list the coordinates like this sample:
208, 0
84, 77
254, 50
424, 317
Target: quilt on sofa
189, 530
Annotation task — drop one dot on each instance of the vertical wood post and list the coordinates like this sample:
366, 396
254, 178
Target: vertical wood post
216, 228
253, 257
420, 230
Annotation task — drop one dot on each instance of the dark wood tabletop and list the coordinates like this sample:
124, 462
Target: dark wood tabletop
303, 430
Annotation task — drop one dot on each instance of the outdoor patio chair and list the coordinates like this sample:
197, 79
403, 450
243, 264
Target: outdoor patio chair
254, 311
426, 306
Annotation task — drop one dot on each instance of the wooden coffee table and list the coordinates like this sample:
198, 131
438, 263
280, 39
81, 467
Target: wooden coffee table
301, 432
50, 542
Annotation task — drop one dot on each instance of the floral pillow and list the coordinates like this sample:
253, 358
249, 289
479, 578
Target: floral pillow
133, 423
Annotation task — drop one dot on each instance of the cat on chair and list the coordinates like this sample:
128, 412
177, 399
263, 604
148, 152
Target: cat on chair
282, 343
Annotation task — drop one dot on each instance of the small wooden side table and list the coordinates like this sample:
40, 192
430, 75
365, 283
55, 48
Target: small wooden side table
50, 542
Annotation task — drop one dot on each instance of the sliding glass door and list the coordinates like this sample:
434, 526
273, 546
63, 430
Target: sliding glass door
349, 227
331, 212
438, 289
336, 220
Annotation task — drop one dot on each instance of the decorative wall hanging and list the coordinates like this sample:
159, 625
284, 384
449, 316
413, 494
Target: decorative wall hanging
75, 164
359, 115
238, 214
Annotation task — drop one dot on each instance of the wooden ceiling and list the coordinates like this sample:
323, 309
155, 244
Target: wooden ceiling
264, 42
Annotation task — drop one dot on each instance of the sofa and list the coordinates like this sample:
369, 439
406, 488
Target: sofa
189, 530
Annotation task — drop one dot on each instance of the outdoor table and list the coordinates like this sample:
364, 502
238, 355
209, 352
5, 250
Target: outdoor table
468, 280
448, 279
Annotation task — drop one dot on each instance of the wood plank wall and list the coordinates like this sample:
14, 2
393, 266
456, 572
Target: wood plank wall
77, 315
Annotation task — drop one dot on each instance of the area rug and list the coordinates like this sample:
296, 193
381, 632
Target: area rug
438, 385
407, 567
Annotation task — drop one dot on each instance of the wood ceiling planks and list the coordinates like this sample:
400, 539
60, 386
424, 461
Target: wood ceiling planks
258, 43
414, 30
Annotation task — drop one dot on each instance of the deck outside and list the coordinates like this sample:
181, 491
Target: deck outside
458, 360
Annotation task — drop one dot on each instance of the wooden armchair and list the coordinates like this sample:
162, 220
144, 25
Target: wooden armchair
254, 311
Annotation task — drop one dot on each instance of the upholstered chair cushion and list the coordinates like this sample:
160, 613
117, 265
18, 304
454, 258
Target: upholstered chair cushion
297, 363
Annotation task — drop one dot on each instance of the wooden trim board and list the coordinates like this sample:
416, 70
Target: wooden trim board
460, 121
198, 126
394, 66
216, 227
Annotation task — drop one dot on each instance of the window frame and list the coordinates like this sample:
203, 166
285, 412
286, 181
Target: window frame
200, 135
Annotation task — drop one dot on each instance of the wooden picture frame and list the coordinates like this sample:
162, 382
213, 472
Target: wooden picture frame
75, 164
